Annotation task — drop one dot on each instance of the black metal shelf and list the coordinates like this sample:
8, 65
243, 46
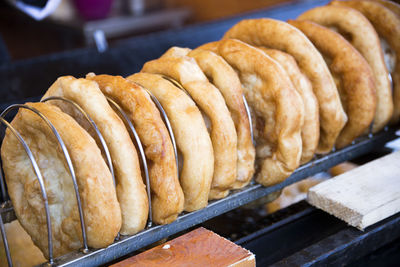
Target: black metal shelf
317, 238
129, 244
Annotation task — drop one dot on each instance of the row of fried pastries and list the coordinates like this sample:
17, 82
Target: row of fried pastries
311, 84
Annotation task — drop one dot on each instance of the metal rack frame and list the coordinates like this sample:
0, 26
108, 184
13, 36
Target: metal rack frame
124, 245
6, 205
236, 199
129, 244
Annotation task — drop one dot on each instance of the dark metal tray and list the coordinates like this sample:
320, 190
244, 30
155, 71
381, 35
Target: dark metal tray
319, 239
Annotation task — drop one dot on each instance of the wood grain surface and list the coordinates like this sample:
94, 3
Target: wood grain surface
364, 195
199, 247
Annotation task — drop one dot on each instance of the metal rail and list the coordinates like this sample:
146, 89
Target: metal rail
142, 156
38, 174
129, 244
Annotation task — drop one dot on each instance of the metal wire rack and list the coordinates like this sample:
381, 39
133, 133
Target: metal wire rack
124, 245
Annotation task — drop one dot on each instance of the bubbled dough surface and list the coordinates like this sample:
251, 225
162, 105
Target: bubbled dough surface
130, 188
354, 77
223, 134
357, 30
277, 108
225, 79
192, 138
166, 193
282, 36
387, 25
23, 252
100, 206
310, 130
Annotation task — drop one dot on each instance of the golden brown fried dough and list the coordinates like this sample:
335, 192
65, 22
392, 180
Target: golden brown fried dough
97, 192
387, 24
166, 193
277, 108
356, 28
394, 7
352, 74
209, 99
227, 82
176, 52
130, 187
23, 252
342, 168
191, 135
310, 130
282, 36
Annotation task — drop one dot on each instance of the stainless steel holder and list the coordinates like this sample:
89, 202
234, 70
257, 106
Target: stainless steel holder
94, 127
37, 172
139, 145
246, 106
127, 244
105, 150
167, 124
6, 203
5, 242
177, 84
237, 198
180, 86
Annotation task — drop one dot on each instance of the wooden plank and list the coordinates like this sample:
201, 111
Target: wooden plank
199, 247
362, 196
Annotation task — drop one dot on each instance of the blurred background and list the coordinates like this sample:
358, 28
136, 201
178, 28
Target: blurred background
82, 23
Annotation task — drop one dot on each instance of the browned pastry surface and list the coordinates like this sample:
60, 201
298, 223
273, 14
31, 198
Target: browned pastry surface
342, 168
192, 139
310, 130
99, 202
23, 252
387, 24
282, 36
357, 30
227, 82
394, 7
130, 187
352, 74
277, 108
166, 193
223, 134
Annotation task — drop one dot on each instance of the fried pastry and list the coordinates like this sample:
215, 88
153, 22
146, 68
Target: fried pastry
276, 107
166, 192
227, 82
211, 102
97, 192
282, 36
23, 252
131, 191
357, 30
191, 135
394, 7
352, 74
387, 25
310, 130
